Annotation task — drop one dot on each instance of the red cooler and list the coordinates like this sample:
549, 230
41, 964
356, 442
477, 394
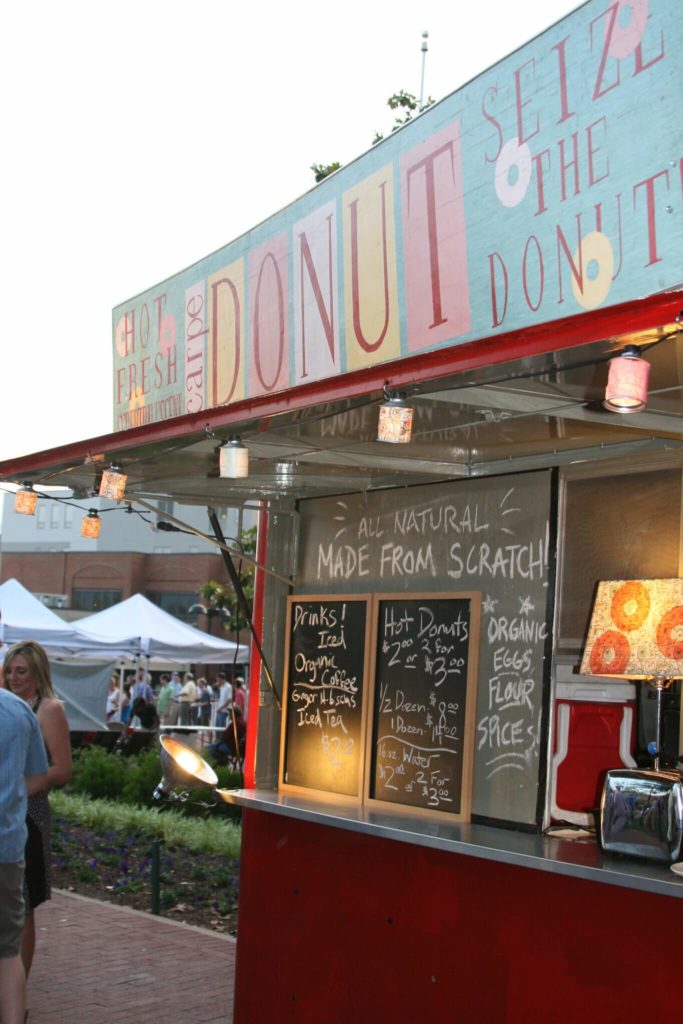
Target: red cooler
594, 729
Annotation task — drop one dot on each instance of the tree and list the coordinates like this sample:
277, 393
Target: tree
402, 101
408, 104
321, 171
221, 599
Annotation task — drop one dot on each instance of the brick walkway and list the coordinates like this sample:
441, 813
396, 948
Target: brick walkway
97, 963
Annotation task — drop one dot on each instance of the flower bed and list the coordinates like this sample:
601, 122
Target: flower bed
199, 889
95, 854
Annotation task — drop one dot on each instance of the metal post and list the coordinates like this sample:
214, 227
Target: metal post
155, 874
660, 684
425, 37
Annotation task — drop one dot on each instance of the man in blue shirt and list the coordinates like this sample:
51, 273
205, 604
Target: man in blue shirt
142, 687
23, 770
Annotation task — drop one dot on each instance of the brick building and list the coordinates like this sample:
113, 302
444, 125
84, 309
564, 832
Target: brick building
75, 575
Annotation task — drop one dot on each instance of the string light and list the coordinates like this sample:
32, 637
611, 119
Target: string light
113, 485
233, 459
25, 500
627, 382
395, 424
91, 524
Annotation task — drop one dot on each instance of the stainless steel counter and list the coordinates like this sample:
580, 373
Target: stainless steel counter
577, 858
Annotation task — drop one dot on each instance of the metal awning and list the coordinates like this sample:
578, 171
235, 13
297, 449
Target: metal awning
542, 409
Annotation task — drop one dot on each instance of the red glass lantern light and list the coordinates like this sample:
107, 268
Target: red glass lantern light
627, 382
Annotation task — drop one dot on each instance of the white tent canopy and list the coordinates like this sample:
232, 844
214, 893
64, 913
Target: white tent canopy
24, 617
138, 628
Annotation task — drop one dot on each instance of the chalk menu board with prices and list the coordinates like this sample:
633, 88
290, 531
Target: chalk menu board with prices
492, 535
323, 723
424, 701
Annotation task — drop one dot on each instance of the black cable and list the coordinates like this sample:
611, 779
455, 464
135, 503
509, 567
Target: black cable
241, 600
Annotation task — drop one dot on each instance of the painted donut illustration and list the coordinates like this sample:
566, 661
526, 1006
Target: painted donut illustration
670, 633
630, 606
610, 654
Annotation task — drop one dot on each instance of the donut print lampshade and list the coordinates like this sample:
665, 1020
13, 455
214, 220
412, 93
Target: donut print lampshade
636, 630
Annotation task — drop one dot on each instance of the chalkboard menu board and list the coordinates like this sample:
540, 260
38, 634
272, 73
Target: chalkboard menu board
424, 701
323, 722
491, 535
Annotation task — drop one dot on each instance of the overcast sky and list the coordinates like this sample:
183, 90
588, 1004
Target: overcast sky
143, 135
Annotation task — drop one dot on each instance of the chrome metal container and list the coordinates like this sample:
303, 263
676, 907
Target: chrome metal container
641, 813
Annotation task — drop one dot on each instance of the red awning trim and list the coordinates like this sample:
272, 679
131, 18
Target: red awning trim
652, 312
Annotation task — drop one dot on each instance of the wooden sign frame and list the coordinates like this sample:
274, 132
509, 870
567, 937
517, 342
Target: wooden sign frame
467, 755
316, 792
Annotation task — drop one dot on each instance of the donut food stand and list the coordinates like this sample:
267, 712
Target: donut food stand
421, 606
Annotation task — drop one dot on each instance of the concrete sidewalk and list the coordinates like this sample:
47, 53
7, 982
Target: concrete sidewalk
98, 963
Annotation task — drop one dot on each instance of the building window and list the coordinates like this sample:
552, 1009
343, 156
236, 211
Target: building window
164, 510
175, 602
41, 517
84, 599
55, 516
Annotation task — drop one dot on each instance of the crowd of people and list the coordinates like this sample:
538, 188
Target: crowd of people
184, 702
217, 707
35, 755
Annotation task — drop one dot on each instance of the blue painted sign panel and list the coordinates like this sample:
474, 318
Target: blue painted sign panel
549, 186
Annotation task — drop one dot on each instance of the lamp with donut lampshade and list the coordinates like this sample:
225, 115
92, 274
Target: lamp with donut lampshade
636, 632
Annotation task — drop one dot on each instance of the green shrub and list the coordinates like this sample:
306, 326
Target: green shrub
142, 777
97, 773
85, 873
212, 835
227, 778
202, 802
100, 774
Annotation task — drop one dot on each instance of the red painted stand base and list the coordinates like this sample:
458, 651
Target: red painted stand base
335, 926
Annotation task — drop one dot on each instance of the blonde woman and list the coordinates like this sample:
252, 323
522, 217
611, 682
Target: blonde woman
26, 672
112, 706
